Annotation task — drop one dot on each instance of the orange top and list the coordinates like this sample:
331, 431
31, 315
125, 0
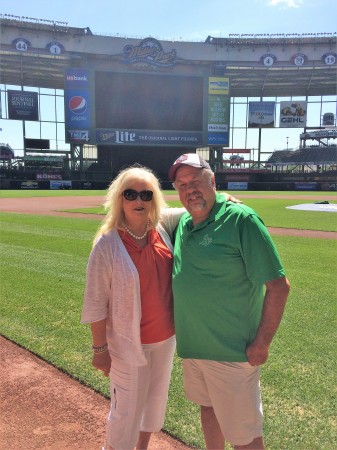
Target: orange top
154, 265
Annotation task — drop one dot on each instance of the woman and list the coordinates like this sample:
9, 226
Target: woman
128, 303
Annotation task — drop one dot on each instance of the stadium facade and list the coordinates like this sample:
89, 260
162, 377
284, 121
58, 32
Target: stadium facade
127, 100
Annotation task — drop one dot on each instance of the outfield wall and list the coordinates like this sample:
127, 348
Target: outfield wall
230, 185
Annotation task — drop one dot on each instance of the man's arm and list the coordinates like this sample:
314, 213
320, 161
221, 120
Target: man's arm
274, 303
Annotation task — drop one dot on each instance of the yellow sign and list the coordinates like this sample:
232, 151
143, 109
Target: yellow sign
218, 86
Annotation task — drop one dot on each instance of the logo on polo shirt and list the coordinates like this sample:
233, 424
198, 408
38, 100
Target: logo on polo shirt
206, 241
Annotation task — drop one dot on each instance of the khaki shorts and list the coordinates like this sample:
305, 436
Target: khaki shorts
233, 390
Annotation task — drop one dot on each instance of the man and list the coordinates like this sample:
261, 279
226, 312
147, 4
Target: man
230, 291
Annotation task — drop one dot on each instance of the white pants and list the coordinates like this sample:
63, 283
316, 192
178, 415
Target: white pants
139, 395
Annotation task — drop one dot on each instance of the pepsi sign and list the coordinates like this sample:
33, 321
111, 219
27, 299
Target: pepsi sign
78, 104
77, 109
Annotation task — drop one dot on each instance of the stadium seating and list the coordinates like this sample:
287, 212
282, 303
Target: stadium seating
308, 155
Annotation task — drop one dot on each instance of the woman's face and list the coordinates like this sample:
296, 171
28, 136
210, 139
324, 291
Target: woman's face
137, 210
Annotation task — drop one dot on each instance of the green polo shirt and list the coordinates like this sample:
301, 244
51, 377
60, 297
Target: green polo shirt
219, 275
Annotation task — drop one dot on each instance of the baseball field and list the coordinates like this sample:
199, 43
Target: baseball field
45, 240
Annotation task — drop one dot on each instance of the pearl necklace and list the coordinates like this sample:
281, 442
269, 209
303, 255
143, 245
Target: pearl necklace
134, 235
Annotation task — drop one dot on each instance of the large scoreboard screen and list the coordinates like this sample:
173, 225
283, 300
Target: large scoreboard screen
150, 109
148, 102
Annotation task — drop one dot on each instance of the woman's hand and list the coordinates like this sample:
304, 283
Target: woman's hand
230, 198
102, 361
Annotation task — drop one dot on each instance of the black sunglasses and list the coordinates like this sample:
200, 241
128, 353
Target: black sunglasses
131, 195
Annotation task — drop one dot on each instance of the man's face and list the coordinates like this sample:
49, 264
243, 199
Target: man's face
196, 191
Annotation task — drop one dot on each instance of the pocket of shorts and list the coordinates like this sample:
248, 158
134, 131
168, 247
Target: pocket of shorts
247, 365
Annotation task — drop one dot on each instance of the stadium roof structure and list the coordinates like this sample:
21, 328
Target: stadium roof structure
282, 78
257, 65
305, 156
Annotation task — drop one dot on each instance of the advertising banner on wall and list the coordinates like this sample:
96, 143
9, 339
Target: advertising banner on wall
261, 114
23, 105
218, 86
48, 176
77, 79
218, 111
77, 105
77, 109
293, 114
237, 185
328, 119
29, 185
58, 184
306, 186
136, 137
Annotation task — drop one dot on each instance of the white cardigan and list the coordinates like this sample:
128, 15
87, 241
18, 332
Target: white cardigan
112, 290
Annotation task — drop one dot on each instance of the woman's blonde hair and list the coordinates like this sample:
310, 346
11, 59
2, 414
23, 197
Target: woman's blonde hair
114, 218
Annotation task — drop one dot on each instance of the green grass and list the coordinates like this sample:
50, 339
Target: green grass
8, 193
322, 194
42, 276
272, 210
274, 214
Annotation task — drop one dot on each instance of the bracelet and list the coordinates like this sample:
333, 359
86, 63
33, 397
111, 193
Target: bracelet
101, 349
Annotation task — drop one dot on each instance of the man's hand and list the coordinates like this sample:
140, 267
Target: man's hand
274, 302
257, 355
102, 361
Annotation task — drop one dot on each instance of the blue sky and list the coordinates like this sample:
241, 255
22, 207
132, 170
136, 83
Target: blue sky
184, 19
